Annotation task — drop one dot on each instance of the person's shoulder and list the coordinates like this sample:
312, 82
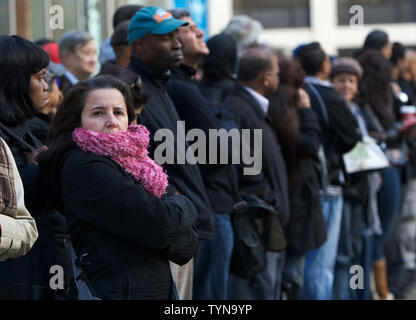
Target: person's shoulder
329, 93
178, 82
79, 157
37, 122
87, 164
237, 92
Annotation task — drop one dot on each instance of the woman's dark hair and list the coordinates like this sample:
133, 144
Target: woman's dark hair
374, 85
68, 116
376, 39
130, 78
19, 60
284, 110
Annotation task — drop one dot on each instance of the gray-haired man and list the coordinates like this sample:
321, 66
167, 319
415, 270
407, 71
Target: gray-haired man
78, 54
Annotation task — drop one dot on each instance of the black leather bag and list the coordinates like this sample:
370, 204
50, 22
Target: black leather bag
257, 229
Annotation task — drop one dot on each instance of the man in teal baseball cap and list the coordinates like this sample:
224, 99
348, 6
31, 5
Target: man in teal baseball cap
153, 34
152, 20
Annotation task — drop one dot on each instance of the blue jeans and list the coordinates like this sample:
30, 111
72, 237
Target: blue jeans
388, 200
320, 262
212, 262
350, 249
292, 278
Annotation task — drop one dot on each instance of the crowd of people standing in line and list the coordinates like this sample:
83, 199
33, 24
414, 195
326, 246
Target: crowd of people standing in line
80, 151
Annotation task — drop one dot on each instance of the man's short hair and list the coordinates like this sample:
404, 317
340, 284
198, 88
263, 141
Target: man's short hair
311, 56
180, 13
70, 40
254, 62
125, 13
398, 52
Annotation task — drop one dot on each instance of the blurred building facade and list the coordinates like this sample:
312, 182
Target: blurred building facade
287, 23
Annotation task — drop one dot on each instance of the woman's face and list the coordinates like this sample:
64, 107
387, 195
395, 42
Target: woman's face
346, 85
105, 111
38, 89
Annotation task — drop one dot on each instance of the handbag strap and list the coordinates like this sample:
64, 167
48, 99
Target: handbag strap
11, 134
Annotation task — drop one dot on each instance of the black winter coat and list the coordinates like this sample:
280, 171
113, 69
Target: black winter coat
306, 229
339, 127
198, 112
39, 126
27, 277
216, 91
125, 236
160, 113
271, 184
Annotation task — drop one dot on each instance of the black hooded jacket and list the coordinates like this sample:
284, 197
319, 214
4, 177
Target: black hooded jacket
199, 113
219, 68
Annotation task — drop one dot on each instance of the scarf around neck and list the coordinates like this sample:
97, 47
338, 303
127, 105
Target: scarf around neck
129, 150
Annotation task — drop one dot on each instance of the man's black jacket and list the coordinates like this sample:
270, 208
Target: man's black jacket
198, 112
160, 113
271, 184
338, 126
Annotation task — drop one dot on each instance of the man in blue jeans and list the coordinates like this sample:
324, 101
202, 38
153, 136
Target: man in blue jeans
339, 135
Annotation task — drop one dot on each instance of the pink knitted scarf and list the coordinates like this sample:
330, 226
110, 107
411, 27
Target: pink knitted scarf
129, 150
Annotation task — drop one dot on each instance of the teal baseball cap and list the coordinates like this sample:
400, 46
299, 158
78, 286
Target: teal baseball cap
152, 20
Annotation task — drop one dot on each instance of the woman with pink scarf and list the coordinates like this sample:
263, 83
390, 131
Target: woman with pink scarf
124, 225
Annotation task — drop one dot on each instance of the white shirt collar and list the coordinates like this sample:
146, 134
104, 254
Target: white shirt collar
262, 101
71, 77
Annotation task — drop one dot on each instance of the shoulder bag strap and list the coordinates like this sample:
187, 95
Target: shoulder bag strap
14, 136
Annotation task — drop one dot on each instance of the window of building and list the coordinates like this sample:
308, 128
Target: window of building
275, 14
379, 11
4, 16
37, 17
73, 17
